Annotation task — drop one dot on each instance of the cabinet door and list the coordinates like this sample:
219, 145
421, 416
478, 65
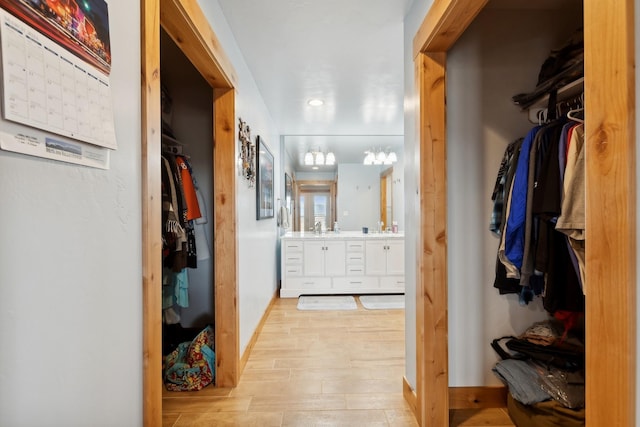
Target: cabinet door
314, 258
335, 258
395, 257
375, 257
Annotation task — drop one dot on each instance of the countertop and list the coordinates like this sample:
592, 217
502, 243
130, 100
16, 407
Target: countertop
341, 235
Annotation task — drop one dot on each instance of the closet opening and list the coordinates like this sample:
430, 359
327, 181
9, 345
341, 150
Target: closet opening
184, 23
187, 151
610, 274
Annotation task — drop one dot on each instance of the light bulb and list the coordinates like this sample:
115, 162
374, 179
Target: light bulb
368, 159
308, 158
319, 158
331, 159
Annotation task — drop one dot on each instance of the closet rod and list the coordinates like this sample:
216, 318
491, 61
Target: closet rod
568, 91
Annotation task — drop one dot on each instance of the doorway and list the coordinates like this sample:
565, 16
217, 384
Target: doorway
610, 145
315, 204
184, 22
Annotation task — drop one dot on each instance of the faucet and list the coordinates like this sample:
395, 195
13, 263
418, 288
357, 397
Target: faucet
318, 227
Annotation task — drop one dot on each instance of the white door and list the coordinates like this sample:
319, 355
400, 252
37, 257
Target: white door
375, 257
395, 257
335, 258
314, 258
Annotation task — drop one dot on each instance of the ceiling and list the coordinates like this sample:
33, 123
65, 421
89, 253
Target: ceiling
349, 53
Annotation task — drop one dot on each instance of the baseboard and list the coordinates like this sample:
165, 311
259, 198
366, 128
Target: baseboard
254, 337
477, 397
410, 396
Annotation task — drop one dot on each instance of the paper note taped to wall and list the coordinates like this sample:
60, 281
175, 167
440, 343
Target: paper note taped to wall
48, 146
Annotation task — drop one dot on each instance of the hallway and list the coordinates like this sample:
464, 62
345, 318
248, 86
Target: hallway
309, 368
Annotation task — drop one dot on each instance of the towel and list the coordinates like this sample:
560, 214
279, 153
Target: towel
283, 217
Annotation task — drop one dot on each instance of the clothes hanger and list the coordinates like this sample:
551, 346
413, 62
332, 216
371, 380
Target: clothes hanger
574, 113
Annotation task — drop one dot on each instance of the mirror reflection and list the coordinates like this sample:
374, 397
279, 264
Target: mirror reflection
347, 182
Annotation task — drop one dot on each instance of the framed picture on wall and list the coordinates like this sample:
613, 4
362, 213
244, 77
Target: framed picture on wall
264, 187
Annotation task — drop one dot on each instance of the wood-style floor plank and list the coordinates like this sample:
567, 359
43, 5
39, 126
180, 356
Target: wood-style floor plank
339, 368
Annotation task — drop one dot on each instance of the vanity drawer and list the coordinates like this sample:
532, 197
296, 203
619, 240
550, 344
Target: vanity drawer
392, 282
355, 245
355, 270
294, 258
293, 245
293, 270
355, 258
309, 283
355, 283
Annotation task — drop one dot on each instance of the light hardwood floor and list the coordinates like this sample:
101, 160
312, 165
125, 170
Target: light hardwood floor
312, 368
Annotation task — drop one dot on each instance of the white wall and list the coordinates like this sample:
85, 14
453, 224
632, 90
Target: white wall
258, 240
358, 201
412, 22
397, 192
70, 276
494, 59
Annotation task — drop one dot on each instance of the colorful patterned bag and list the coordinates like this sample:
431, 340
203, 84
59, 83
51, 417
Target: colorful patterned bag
191, 366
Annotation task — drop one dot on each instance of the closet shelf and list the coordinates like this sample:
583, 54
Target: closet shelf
568, 91
171, 145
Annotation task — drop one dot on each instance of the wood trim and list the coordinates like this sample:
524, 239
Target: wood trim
383, 200
410, 397
420, 319
185, 23
433, 383
444, 23
610, 213
477, 397
225, 241
386, 176
256, 333
151, 217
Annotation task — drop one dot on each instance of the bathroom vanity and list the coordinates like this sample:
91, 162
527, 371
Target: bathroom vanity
341, 263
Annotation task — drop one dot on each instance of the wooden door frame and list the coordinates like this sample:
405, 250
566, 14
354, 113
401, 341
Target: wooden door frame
384, 176
185, 23
610, 209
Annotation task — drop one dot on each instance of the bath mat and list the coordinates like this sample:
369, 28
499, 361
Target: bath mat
382, 302
327, 302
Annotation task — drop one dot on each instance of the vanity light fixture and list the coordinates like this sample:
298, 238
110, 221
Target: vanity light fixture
377, 156
318, 158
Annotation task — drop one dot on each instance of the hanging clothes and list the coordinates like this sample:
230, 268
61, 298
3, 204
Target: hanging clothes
572, 220
180, 208
534, 256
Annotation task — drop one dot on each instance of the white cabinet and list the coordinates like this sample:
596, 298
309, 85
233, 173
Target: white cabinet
292, 258
324, 258
385, 257
341, 265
